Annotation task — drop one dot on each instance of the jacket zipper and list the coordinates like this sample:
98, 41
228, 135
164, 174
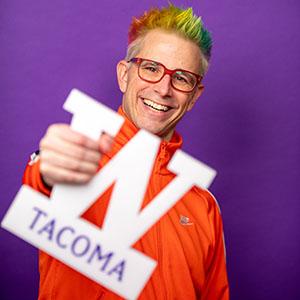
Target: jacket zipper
159, 233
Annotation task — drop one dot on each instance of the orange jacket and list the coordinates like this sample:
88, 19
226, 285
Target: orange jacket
187, 242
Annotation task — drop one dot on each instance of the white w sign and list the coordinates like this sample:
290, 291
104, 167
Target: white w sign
105, 255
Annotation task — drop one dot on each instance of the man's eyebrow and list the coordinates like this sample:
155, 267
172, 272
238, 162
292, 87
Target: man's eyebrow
153, 62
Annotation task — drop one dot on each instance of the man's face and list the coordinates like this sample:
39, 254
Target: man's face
157, 107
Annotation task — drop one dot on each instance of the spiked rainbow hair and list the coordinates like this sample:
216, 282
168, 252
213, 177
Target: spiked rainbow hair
171, 18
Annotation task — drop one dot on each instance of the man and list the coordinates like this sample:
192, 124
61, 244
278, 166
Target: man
160, 80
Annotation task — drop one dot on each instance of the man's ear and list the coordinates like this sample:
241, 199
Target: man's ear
198, 92
122, 74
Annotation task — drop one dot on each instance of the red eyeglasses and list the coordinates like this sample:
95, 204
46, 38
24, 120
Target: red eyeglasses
153, 71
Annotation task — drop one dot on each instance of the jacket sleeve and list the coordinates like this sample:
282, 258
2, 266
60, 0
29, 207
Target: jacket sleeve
216, 284
32, 177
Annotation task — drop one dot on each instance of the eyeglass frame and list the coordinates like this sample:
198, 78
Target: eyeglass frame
139, 60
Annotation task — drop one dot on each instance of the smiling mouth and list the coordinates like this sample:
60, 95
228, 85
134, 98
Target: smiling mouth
156, 106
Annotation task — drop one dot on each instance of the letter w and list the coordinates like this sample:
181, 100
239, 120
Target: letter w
130, 171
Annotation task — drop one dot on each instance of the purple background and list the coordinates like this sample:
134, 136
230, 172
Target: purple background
246, 124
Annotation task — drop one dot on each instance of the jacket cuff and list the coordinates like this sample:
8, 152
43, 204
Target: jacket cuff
32, 177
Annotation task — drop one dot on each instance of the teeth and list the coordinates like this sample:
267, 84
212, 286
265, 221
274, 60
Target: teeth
156, 105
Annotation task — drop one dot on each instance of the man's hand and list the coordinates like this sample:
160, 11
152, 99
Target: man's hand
69, 157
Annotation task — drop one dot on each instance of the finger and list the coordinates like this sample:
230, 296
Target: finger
69, 149
66, 133
54, 174
68, 162
105, 143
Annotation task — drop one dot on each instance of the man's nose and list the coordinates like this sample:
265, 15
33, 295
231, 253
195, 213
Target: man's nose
164, 87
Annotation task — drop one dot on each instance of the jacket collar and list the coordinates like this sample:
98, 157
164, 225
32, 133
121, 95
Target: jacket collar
128, 130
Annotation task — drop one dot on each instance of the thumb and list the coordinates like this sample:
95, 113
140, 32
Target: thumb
105, 143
